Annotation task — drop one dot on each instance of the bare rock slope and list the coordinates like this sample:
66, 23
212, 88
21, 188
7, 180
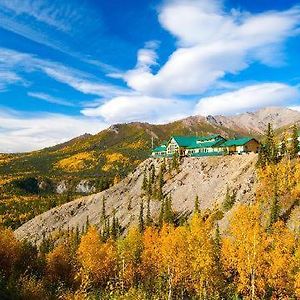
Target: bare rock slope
206, 177
256, 122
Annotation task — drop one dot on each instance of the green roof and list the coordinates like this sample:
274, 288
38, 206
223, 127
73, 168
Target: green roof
237, 142
160, 148
191, 141
215, 143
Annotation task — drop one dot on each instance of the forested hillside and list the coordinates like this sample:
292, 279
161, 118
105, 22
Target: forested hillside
34, 182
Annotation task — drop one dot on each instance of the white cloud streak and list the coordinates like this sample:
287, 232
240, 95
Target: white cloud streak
248, 98
50, 99
78, 80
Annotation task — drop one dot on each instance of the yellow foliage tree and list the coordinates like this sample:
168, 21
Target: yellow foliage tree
281, 261
150, 257
175, 259
130, 249
205, 273
244, 250
10, 250
98, 259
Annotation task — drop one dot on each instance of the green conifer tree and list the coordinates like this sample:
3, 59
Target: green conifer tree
148, 214
103, 213
294, 143
271, 149
196, 205
283, 147
161, 213
141, 217
87, 223
145, 181
114, 227
275, 208
175, 161
168, 211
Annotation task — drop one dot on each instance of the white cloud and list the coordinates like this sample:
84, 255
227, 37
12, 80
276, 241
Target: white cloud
8, 78
211, 44
48, 14
140, 108
50, 99
80, 81
248, 98
25, 132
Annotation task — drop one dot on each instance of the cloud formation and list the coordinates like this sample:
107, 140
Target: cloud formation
140, 108
50, 99
19, 63
248, 98
21, 132
211, 44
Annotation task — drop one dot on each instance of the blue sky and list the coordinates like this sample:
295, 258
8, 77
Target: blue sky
70, 67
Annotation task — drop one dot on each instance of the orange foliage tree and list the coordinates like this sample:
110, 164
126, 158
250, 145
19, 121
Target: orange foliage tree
98, 259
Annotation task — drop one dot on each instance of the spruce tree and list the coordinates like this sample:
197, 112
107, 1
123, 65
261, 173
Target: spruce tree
141, 217
114, 227
270, 146
229, 200
275, 209
148, 214
175, 161
103, 214
262, 160
196, 206
87, 223
283, 147
145, 181
152, 174
168, 211
217, 241
160, 184
129, 206
161, 213
294, 143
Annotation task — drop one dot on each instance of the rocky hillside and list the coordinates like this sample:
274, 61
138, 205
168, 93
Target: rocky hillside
256, 122
207, 177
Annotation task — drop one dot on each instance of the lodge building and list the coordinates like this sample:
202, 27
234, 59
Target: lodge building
212, 145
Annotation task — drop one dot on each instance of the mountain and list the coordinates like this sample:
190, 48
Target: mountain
256, 122
208, 178
31, 183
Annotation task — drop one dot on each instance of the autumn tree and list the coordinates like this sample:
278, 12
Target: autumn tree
205, 274
97, 259
9, 251
281, 262
175, 261
151, 259
60, 265
243, 252
129, 251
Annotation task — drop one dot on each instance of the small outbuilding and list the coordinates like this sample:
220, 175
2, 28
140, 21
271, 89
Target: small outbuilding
241, 145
